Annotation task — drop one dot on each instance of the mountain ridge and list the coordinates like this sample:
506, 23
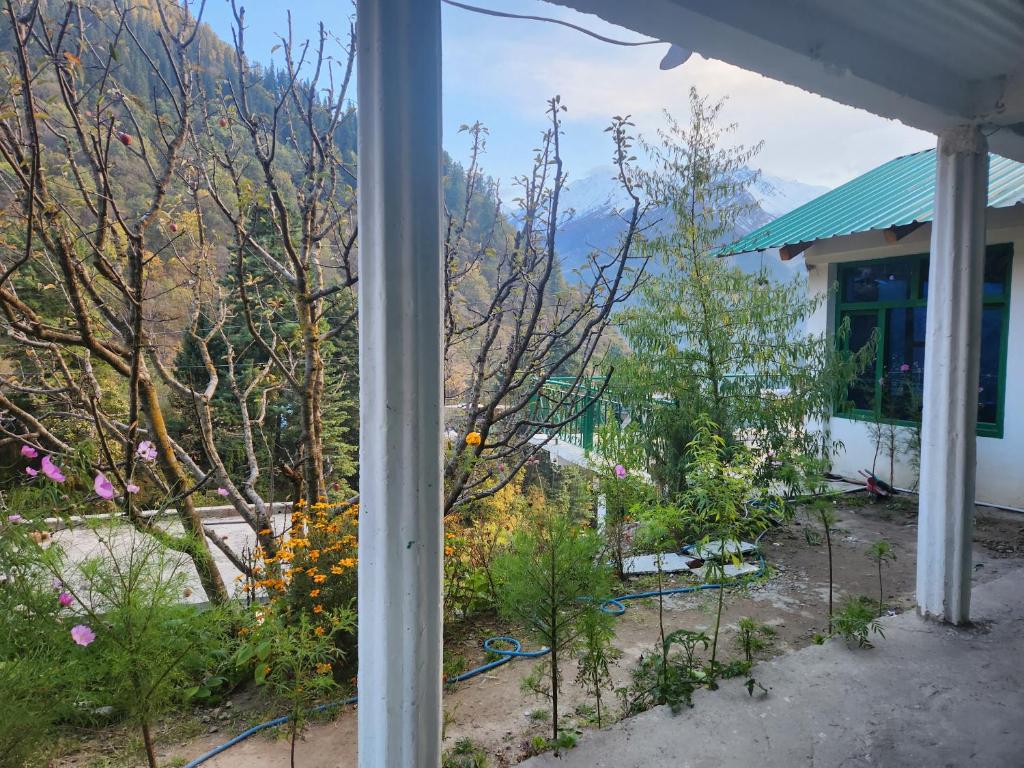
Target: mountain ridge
597, 200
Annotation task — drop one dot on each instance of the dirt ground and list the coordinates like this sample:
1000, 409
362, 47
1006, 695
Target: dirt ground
497, 715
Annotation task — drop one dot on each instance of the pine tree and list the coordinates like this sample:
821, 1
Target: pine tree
712, 341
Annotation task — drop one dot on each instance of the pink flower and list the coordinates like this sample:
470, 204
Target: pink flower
14, 518
103, 487
620, 471
146, 450
82, 635
29, 452
132, 488
65, 599
222, 491
52, 471
904, 368
31, 472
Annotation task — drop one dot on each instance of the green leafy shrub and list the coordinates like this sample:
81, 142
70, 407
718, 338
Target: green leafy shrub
465, 754
881, 552
597, 654
141, 646
293, 655
822, 512
626, 496
547, 581
27, 702
753, 638
36, 680
856, 620
669, 676
109, 637
452, 666
720, 483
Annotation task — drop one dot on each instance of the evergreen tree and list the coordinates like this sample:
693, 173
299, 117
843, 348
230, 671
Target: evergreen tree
280, 432
713, 342
549, 581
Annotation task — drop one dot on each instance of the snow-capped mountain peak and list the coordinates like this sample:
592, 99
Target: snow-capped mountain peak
777, 195
599, 191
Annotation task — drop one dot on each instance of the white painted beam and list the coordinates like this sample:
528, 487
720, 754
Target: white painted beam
952, 354
798, 45
807, 46
400, 486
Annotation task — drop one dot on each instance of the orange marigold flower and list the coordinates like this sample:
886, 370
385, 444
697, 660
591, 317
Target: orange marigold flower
473, 438
264, 532
314, 593
320, 578
323, 669
320, 631
449, 551
318, 608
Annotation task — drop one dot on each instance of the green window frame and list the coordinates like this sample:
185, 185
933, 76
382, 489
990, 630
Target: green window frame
890, 295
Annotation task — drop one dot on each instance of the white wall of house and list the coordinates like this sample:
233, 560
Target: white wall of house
1000, 460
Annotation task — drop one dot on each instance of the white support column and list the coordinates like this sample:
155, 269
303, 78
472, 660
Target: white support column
952, 349
400, 486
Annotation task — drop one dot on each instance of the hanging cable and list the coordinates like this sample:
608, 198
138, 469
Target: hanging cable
507, 15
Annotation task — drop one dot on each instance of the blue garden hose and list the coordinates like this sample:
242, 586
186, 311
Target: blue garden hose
614, 606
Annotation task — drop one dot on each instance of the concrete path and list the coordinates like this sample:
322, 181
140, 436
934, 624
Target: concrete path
82, 542
926, 695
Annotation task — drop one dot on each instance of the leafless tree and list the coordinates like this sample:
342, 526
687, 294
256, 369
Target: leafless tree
533, 324
311, 215
224, 222
122, 210
68, 134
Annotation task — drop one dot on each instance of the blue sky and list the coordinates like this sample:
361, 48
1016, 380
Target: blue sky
501, 72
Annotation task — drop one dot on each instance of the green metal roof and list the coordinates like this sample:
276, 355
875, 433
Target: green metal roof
897, 193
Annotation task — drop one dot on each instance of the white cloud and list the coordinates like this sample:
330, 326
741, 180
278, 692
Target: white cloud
520, 63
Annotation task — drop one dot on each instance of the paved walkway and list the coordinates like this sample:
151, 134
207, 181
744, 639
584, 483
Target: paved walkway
81, 542
926, 695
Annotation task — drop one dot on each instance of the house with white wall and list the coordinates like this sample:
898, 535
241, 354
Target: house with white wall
866, 247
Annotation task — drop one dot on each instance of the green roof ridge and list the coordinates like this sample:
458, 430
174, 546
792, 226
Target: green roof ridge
900, 191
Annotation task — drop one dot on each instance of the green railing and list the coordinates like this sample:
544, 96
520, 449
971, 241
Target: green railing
584, 407
580, 404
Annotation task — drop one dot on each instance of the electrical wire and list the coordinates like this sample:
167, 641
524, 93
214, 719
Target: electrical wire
570, 25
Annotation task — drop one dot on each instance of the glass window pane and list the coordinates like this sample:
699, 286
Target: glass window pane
903, 361
862, 390
888, 281
997, 266
997, 269
991, 349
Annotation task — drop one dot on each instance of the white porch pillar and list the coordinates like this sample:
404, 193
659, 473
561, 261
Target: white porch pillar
952, 349
400, 526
